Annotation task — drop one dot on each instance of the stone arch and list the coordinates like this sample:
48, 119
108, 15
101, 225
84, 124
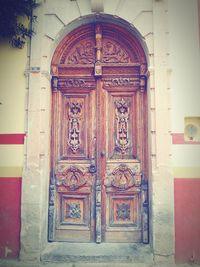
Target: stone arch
98, 18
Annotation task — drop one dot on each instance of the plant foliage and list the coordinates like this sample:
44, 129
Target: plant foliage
10, 25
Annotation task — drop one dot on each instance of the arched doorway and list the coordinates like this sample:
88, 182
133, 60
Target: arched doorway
99, 158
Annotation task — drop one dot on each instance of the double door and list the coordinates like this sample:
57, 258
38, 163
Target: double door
98, 190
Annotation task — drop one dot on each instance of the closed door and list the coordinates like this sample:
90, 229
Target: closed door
98, 185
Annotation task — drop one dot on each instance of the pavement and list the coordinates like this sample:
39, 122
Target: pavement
61, 254
16, 263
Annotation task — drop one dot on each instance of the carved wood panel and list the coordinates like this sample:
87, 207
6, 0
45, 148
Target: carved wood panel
121, 125
99, 150
75, 130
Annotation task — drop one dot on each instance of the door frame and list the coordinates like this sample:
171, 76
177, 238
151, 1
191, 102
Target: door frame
35, 182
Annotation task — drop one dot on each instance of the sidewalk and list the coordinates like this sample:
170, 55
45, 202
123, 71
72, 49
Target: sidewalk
15, 263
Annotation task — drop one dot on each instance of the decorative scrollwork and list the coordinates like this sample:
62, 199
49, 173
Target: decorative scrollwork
120, 81
122, 117
74, 82
84, 53
123, 177
113, 53
72, 178
74, 126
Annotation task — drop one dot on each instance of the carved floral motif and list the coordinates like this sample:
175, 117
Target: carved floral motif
84, 53
73, 211
123, 177
123, 211
122, 117
74, 142
114, 53
72, 178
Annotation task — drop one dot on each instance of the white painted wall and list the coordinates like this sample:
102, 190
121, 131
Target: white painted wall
185, 74
184, 61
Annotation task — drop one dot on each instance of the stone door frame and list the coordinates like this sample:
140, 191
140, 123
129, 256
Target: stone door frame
35, 182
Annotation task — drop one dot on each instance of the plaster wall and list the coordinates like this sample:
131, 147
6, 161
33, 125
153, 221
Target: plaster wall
12, 115
184, 61
12, 107
12, 89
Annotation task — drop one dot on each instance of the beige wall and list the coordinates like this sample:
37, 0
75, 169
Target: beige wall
12, 68
12, 107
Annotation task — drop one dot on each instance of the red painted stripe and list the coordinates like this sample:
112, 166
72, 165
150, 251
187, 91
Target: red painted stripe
187, 220
10, 213
178, 139
12, 139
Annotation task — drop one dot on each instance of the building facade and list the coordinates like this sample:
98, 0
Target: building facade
100, 129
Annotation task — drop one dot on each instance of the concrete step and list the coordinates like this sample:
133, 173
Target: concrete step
97, 253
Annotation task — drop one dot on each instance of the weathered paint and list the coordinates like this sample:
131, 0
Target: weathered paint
10, 201
187, 220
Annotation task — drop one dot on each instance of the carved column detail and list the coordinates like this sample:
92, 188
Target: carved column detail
74, 126
145, 213
54, 83
98, 211
122, 117
143, 77
51, 209
98, 67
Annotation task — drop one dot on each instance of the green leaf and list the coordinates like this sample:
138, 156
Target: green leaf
10, 11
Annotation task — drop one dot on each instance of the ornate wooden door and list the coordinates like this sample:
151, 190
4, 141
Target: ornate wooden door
98, 185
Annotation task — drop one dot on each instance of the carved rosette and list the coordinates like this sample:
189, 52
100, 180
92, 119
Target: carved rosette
75, 113
122, 117
72, 177
123, 211
123, 178
73, 211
